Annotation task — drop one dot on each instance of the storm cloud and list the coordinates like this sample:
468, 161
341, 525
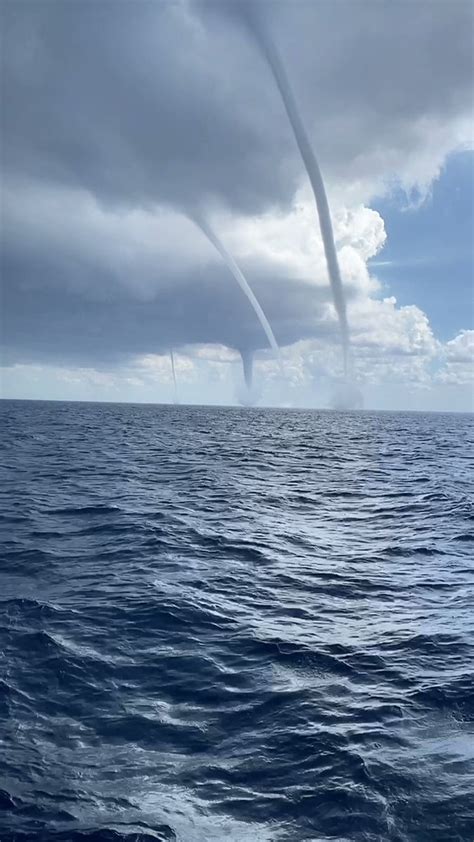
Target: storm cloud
152, 110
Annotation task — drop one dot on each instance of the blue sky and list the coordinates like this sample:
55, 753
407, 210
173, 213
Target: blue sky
429, 251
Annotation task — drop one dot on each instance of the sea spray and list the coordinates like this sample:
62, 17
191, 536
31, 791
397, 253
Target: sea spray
346, 396
248, 395
247, 365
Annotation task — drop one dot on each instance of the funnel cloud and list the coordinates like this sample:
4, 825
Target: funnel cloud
270, 52
200, 220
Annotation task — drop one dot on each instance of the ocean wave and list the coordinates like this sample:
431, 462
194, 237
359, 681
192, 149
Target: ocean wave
213, 631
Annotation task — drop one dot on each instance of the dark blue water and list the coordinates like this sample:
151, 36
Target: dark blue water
224, 624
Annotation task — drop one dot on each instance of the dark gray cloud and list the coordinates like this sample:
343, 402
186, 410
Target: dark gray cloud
52, 318
169, 103
89, 289
136, 103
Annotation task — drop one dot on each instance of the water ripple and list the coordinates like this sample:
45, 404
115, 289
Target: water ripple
235, 624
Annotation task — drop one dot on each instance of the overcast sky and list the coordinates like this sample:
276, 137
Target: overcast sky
120, 119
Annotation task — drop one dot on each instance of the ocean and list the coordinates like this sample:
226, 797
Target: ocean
235, 624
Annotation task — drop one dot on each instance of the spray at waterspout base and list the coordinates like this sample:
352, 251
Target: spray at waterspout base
347, 396
248, 395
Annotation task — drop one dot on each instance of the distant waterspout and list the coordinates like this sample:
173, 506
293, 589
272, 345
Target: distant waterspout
173, 372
